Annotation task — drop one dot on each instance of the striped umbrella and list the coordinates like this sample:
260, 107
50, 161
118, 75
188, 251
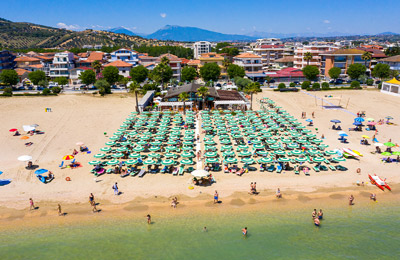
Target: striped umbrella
248, 160
94, 162
68, 157
187, 155
301, 159
154, 148
169, 155
338, 159
149, 162
210, 154
212, 160
122, 149
168, 162
279, 152
131, 162
226, 147
154, 155
99, 155
186, 161
244, 153
138, 148
266, 160
105, 149
319, 159
117, 155
134, 155
274, 146
231, 160
296, 152
284, 159
110, 143
113, 162
330, 152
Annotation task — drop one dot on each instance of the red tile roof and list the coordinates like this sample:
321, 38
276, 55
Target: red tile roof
26, 59
272, 46
247, 55
21, 72
94, 55
119, 63
287, 72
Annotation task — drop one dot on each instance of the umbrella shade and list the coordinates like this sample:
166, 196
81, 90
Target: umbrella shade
293, 146
95, 162
319, 159
168, 162
389, 144
24, 137
210, 154
156, 143
41, 171
365, 136
330, 152
117, 155
266, 160
386, 154
154, 155
105, 149
149, 162
113, 162
279, 152
229, 153
110, 143
186, 161
245, 153
231, 160
248, 160
68, 157
114, 138
134, 155
258, 146
339, 159
200, 173
13, 130
187, 155
122, 149
335, 121
274, 146
226, 147
212, 160
131, 162
99, 155
301, 159
284, 159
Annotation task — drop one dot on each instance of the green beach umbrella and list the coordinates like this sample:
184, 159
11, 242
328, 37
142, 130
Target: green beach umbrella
99, 155
247, 160
243, 147
142, 142
231, 160
131, 162
113, 162
301, 159
105, 149
149, 162
313, 152
169, 155
396, 153
339, 159
210, 154
274, 146
94, 162
117, 155
263, 153
186, 161
258, 146
187, 148
156, 143
122, 149
154, 155
244, 153
386, 154
209, 142
225, 141
266, 160
318, 159
172, 142
293, 146
284, 159
114, 138
138, 148
110, 143
212, 160
330, 152
317, 141
168, 162
154, 148
279, 152
228, 153
187, 155
118, 133
296, 152
389, 144
134, 155
126, 143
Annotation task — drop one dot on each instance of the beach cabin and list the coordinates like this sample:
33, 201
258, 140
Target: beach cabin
391, 87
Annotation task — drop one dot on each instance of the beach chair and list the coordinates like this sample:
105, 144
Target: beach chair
306, 172
181, 170
190, 169
327, 161
164, 170
323, 168
316, 168
41, 178
278, 168
142, 173
109, 171
296, 171
341, 168
61, 165
175, 171
261, 168
125, 174
332, 167
271, 168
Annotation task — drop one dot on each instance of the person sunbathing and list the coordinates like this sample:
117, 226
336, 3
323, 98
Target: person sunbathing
16, 133
75, 152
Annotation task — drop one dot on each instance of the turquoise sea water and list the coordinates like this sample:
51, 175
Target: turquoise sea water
346, 233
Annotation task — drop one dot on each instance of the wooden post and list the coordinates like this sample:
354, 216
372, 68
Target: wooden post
347, 103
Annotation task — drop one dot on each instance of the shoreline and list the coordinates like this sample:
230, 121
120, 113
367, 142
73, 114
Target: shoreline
159, 207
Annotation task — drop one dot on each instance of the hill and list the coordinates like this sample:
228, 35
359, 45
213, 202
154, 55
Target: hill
21, 35
123, 31
191, 34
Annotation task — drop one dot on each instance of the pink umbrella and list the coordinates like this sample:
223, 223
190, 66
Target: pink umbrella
371, 123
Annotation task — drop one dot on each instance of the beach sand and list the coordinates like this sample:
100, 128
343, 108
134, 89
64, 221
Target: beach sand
84, 118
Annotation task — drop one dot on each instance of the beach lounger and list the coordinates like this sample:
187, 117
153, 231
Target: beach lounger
142, 173
175, 171
332, 167
190, 169
124, 175
271, 168
41, 178
327, 161
181, 170
306, 173
296, 171
341, 168
279, 169
316, 168
164, 170
323, 168
261, 169
109, 171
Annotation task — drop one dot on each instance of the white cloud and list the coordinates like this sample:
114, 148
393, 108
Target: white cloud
163, 15
68, 27
327, 21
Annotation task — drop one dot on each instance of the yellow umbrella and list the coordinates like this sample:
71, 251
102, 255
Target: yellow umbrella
365, 136
68, 157
357, 152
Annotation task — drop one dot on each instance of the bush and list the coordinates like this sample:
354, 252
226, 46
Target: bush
46, 92
370, 82
316, 85
56, 90
281, 85
325, 85
305, 84
8, 92
355, 84
380, 86
292, 84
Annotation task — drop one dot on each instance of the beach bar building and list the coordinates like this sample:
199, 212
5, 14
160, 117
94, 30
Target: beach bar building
391, 87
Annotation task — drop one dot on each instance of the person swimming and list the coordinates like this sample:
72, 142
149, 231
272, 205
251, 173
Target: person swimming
244, 231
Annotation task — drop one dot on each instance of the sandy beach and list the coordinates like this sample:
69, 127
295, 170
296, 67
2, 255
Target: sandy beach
84, 118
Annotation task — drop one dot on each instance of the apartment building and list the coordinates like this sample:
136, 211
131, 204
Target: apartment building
125, 55
200, 48
250, 62
174, 63
213, 57
6, 60
315, 50
342, 59
270, 50
62, 63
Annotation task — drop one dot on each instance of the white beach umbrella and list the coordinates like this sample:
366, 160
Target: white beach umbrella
24, 158
28, 128
378, 144
200, 173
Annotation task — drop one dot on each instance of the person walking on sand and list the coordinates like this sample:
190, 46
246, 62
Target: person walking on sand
59, 210
31, 204
91, 199
313, 115
351, 199
148, 219
278, 193
215, 197
115, 188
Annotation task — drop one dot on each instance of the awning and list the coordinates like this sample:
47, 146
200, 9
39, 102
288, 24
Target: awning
174, 104
229, 102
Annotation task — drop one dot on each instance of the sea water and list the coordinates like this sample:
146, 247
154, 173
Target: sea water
345, 233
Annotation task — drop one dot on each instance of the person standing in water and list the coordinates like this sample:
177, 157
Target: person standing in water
314, 214
148, 219
351, 199
320, 214
244, 231
317, 222
215, 197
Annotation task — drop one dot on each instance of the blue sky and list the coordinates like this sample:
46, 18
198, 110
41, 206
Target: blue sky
233, 16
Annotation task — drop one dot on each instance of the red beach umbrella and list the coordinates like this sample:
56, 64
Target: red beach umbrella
68, 157
13, 130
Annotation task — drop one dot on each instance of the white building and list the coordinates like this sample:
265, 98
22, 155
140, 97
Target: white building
123, 67
315, 50
270, 50
200, 48
62, 63
250, 62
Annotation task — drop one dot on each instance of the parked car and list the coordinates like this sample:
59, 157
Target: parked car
83, 87
349, 81
339, 81
114, 87
21, 88
39, 88
378, 82
296, 82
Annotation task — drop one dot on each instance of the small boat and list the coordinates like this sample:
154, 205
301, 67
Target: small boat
379, 182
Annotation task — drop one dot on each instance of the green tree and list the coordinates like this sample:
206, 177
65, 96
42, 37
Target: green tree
230, 52
210, 71
325, 85
10, 77
188, 74
56, 90
252, 88
281, 85
36, 76
307, 57
8, 92
183, 97
103, 86
165, 60
135, 88
268, 79
235, 71
355, 84
334, 72
305, 84
43, 83
310, 72
111, 74
316, 85
202, 92
394, 74
356, 70
221, 45
61, 81
381, 71
96, 65
241, 83
46, 91
88, 77
367, 56
139, 73
162, 73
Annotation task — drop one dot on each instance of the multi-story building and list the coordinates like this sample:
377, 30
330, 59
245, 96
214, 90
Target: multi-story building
201, 48
213, 57
62, 63
26, 61
393, 62
342, 59
123, 67
125, 55
270, 50
315, 50
249, 61
75, 73
174, 63
6, 60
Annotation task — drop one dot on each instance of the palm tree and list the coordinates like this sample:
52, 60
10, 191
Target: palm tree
251, 89
307, 57
96, 65
164, 60
135, 87
183, 97
366, 57
268, 80
202, 92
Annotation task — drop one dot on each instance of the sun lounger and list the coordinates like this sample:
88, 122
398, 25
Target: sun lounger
306, 172
240, 173
327, 161
109, 171
190, 169
181, 170
100, 172
296, 171
323, 168
142, 173
332, 167
164, 170
175, 171
316, 168
261, 169
279, 169
271, 168
125, 174
341, 168
41, 178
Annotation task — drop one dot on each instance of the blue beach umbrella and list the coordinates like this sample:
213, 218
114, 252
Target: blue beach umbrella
41, 171
336, 121
308, 120
359, 119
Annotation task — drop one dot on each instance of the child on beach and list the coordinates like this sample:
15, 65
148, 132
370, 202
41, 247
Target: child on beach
31, 204
215, 197
59, 210
351, 199
148, 219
